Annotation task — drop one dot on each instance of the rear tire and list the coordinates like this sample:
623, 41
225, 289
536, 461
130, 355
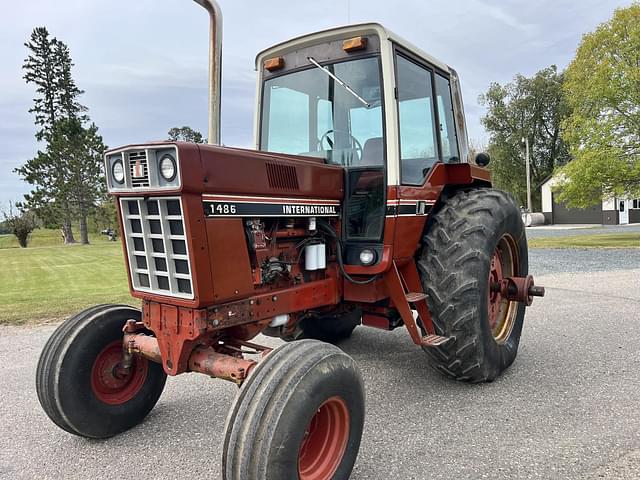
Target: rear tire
75, 379
476, 238
299, 415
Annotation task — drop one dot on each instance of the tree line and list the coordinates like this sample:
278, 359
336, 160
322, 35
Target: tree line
582, 124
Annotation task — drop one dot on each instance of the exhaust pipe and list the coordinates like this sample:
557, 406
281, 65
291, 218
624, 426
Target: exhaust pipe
215, 68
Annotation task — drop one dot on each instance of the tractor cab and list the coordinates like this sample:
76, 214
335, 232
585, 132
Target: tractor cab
363, 98
360, 97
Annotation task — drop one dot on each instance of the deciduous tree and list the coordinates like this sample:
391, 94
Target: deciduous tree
185, 134
603, 89
531, 107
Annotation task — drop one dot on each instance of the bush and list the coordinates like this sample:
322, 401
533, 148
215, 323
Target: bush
20, 224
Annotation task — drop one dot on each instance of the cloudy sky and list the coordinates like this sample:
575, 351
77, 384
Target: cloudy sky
143, 63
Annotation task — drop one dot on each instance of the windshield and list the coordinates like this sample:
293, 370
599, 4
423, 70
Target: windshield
309, 113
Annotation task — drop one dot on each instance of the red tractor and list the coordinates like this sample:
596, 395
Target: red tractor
360, 205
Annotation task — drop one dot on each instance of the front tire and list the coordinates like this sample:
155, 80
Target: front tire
476, 239
78, 384
299, 415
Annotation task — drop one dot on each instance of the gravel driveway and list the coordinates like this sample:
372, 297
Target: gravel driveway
567, 408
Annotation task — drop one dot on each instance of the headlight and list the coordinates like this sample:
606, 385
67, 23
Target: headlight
168, 168
117, 171
367, 256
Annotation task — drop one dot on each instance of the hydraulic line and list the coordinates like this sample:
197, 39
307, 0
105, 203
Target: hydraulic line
332, 233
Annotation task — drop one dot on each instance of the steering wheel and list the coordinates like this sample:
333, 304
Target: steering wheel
353, 140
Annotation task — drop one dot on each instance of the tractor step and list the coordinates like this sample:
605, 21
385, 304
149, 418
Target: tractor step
413, 297
434, 340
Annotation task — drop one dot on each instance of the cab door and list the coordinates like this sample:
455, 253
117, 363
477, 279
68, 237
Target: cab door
427, 137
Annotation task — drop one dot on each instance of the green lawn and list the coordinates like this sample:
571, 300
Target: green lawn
43, 237
604, 240
47, 283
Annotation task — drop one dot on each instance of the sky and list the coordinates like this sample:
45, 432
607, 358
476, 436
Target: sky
143, 63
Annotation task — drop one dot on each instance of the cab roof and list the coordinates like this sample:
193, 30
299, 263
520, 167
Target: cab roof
345, 31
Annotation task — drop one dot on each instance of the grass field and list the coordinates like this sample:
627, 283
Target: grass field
604, 240
45, 238
48, 281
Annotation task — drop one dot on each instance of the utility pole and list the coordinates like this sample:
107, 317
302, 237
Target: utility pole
525, 140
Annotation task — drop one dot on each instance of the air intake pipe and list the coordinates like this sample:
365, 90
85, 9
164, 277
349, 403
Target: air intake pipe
215, 68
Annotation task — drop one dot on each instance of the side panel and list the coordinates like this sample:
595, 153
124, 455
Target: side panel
229, 259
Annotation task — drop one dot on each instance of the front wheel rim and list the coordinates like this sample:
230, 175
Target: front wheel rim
501, 311
110, 384
325, 441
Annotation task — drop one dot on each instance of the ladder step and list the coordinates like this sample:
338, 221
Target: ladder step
413, 297
434, 340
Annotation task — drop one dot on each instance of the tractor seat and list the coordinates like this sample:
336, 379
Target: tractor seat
372, 152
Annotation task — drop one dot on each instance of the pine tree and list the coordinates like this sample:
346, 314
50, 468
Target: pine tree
67, 175
41, 69
80, 148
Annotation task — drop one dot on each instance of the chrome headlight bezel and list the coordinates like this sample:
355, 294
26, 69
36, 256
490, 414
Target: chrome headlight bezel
118, 163
164, 160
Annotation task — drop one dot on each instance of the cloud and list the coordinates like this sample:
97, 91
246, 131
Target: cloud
143, 63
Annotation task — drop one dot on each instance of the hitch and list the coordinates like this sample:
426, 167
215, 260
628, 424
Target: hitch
518, 289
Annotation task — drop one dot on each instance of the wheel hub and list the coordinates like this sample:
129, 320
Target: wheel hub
325, 441
495, 297
501, 310
112, 384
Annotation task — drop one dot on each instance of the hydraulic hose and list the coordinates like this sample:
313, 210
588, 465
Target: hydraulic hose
332, 233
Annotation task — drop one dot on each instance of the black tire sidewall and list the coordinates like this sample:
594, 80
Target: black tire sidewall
312, 391
454, 264
83, 411
500, 356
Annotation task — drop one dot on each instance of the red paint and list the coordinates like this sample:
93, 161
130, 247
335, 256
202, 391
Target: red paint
325, 441
112, 385
495, 297
375, 321
234, 297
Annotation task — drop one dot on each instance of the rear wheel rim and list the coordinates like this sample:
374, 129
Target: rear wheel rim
502, 312
112, 385
325, 441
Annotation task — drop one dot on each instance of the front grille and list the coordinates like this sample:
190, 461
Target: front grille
157, 246
139, 169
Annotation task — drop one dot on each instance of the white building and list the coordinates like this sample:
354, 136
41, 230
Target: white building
615, 211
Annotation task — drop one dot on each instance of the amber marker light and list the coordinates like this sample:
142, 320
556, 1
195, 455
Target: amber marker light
275, 63
353, 44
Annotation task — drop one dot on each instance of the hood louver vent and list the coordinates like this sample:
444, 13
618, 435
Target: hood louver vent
282, 177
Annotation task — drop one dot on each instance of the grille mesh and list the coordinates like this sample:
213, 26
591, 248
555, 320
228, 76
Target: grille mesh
139, 169
157, 246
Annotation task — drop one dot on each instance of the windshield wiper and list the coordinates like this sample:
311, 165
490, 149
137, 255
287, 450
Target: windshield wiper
344, 85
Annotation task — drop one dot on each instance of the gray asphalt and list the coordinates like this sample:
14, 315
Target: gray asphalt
566, 409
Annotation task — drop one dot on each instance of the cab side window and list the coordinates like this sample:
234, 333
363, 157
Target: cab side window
418, 139
447, 126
